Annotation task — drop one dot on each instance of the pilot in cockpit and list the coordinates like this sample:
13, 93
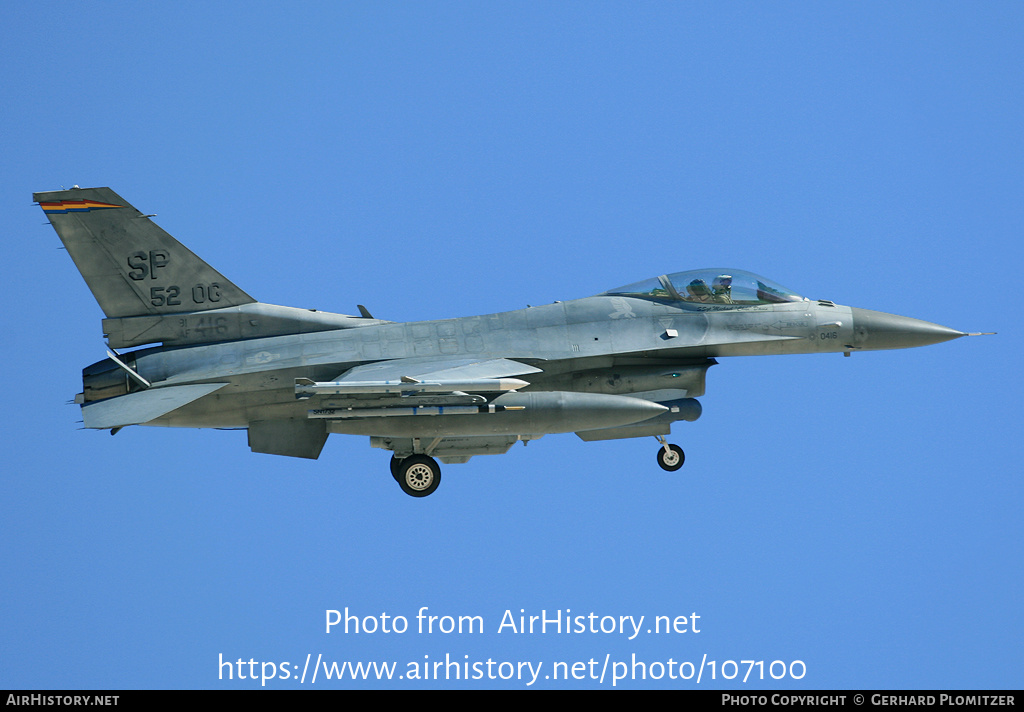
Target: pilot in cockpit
721, 289
697, 291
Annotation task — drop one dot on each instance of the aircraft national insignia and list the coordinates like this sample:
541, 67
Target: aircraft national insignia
75, 206
622, 309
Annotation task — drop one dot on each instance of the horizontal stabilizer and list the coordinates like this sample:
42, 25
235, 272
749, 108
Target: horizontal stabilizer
143, 406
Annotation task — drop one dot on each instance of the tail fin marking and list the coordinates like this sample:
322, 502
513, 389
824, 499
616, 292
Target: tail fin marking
132, 266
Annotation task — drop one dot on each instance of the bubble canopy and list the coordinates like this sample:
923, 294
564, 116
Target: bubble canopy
709, 286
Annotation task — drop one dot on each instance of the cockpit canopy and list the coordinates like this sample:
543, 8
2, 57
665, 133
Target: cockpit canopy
709, 286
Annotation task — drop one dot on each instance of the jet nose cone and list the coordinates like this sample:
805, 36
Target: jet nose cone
878, 330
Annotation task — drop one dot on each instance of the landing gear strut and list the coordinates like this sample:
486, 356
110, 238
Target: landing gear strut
670, 457
417, 475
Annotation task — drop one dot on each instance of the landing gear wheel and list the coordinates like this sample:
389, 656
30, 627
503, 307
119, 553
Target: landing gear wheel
395, 462
418, 475
672, 458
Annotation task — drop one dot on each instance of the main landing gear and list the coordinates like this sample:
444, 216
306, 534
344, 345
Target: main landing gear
670, 457
417, 475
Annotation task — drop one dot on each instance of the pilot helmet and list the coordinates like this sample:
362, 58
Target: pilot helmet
723, 281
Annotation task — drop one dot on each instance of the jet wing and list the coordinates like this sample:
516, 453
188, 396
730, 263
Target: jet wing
435, 369
143, 406
432, 381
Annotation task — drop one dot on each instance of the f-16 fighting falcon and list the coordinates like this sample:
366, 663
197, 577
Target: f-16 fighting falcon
626, 363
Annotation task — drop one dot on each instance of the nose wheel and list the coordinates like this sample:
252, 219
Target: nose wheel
670, 457
417, 475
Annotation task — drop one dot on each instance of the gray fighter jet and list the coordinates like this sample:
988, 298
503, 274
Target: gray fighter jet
625, 363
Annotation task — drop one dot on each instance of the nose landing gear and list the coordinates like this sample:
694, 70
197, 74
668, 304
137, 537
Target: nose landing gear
670, 457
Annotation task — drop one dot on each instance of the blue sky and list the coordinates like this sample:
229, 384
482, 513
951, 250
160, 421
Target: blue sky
432, 160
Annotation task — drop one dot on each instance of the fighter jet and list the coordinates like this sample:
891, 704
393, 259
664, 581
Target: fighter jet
626, 363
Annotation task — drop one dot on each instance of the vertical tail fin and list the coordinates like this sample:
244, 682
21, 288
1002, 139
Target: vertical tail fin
131, 265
